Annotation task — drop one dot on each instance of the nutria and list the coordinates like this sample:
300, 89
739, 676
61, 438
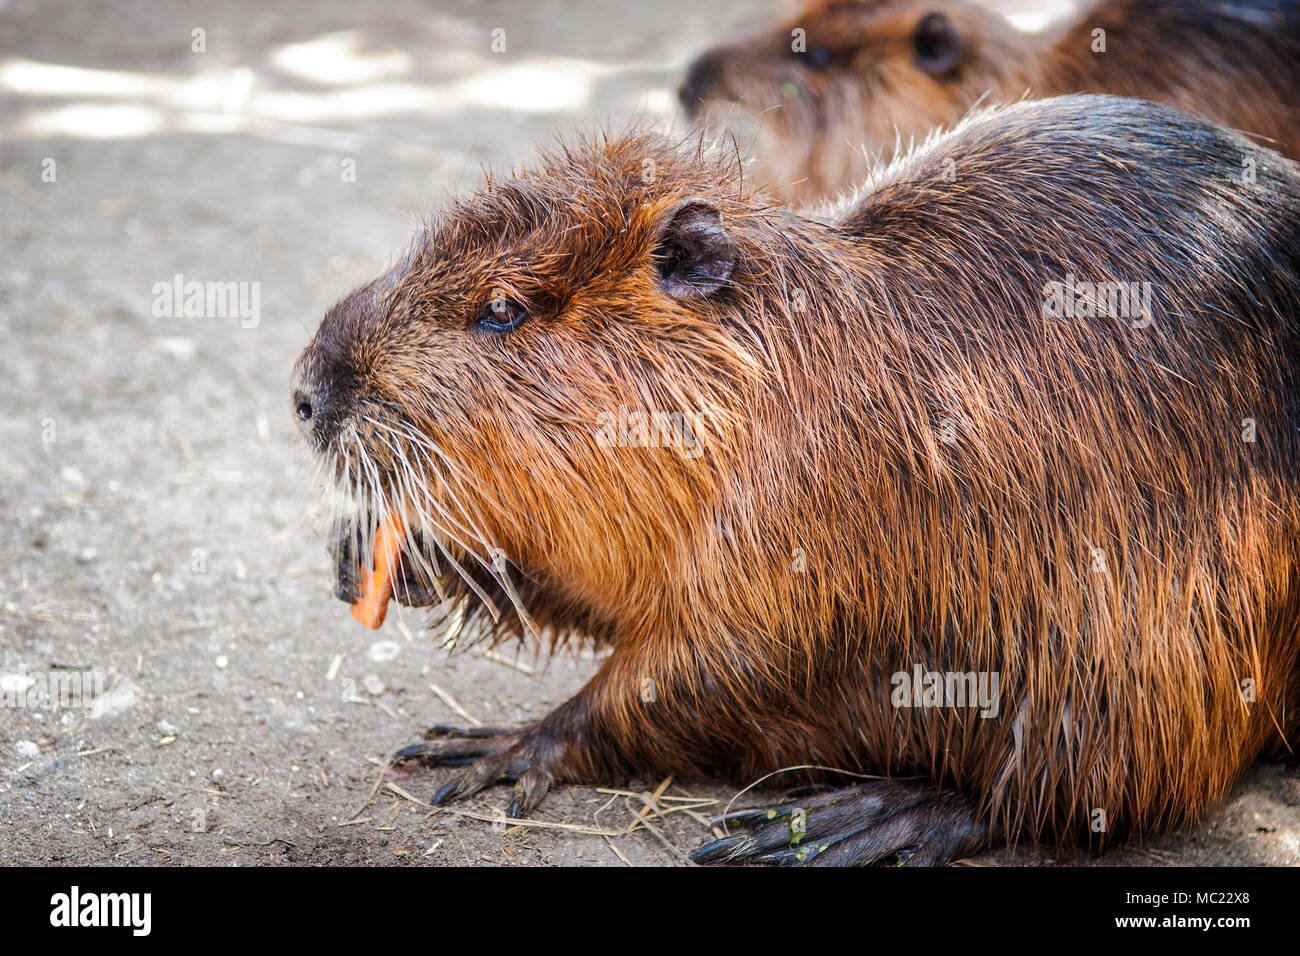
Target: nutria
1027, 411
846, 81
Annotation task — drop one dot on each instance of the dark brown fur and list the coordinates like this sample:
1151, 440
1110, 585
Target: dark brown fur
816, 118
829, 537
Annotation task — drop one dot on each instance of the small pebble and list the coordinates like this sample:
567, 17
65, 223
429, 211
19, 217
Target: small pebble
222, 662
27, 749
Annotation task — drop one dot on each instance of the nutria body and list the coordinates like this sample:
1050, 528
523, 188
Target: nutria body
924, 446
866, 75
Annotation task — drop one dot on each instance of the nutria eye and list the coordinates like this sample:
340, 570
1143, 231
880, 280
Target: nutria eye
818, 58
501, 315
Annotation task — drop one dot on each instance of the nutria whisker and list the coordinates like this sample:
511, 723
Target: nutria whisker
424, 445
417, 478
418, 503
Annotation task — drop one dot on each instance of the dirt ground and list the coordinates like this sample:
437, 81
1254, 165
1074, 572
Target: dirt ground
157, 525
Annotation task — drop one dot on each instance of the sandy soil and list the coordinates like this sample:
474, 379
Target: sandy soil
156, 522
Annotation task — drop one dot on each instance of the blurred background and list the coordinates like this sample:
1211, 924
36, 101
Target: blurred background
157, 524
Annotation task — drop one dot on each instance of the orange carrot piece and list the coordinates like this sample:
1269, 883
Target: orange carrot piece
377, 585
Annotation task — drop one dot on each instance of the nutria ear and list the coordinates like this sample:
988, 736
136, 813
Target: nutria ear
937, 44
694, 256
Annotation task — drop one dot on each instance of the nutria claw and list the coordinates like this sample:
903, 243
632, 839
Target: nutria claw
917, 823
490, 756
453, 746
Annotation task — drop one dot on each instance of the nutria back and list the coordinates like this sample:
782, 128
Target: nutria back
848, 81
1025, 409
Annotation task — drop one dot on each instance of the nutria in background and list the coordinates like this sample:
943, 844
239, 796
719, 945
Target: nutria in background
847, 81
916, 437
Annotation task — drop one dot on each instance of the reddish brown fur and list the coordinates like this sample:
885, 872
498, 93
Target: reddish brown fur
815, 130
1120, 686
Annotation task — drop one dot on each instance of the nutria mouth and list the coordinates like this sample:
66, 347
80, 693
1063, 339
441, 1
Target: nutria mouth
385, 467
432, 573
351, 548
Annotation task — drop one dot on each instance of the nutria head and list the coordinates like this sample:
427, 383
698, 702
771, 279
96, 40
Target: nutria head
541, 384
846, 81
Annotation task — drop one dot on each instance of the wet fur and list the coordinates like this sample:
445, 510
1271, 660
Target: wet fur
815, 132
1120, 688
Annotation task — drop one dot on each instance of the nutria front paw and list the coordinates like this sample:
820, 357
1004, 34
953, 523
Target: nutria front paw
526, 757
918, 824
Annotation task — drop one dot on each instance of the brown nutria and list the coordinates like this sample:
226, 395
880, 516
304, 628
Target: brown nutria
847, 81
782, 465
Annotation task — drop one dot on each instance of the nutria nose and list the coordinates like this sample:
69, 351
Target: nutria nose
700, 76
311, 407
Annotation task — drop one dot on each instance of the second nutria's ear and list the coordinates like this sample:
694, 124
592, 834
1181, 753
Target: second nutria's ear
938, 45
694, 255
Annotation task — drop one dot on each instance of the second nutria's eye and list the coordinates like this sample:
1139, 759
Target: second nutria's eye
818, 58
501, 315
